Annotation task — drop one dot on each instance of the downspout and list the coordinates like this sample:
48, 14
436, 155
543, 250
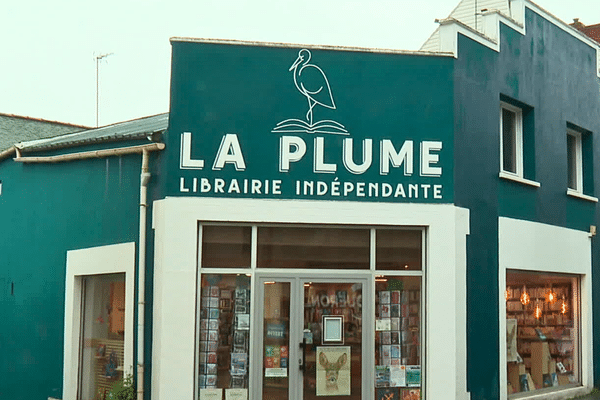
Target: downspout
144, 179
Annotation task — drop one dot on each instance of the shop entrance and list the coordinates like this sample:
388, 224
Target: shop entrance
312, 335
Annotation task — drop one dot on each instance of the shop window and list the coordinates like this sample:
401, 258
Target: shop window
542, 331
399, 250
224, 334
103, 334
98, 319
226, 246
398, 337
313, 247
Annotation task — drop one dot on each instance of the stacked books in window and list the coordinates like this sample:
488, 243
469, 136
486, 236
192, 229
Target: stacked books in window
209, 337
240, 333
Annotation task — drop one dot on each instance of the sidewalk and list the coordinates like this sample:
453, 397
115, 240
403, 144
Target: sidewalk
591, 396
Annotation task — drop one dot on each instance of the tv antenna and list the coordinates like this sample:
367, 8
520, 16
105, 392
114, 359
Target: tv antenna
98, 58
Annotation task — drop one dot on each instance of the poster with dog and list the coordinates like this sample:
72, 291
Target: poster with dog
333, 371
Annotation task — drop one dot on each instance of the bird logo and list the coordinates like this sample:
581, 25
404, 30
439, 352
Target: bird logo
312, 83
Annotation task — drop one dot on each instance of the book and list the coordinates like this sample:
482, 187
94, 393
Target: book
211, 357
382, 376
410, 394
413, 375
384, 311
211, 369
523, 383
395, 351
384, 297
239, 363
386, 337
213, 313
386, 394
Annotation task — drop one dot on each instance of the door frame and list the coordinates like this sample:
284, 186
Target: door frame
297, 278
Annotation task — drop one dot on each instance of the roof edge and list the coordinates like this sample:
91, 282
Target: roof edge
44, 120
309, 46
42, 144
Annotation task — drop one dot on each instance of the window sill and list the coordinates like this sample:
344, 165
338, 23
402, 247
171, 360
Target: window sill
574, 193
515, 178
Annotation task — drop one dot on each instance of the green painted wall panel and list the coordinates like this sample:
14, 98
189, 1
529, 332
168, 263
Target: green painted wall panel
46, 210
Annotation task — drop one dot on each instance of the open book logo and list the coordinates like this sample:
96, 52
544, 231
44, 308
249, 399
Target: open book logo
312, 83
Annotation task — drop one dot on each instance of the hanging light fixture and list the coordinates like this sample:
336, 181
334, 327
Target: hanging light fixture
563, 306
525, 298
538, 311
551, 296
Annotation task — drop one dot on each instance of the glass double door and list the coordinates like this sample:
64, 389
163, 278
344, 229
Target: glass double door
312, 337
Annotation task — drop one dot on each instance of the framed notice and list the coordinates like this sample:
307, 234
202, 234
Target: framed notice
333, 329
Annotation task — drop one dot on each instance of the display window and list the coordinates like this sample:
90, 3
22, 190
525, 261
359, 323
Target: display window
102, 336
224, 332
398, 337
293, 327
542, 331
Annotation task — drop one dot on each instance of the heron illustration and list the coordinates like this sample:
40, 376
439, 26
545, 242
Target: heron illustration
310, 80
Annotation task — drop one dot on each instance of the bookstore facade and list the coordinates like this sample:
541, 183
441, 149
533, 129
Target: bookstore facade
307, 245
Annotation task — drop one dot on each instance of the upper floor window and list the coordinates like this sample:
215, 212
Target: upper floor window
574, 161
580, 180
517, 142
511, 144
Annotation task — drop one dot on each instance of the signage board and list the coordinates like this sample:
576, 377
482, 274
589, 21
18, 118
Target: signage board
261, 121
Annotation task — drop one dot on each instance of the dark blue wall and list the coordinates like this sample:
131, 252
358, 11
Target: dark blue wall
553, 73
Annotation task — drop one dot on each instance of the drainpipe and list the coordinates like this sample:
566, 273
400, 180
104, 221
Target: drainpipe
144, 179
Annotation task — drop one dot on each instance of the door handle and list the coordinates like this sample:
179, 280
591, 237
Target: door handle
302, 360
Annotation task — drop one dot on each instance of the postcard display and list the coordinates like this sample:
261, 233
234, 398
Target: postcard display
397, 341
224, 340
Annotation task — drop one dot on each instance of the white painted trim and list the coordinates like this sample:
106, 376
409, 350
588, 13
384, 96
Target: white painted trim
575, 193
532, 246
117, 258
515, 178
175, 221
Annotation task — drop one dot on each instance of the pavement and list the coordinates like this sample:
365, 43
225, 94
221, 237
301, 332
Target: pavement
594, 396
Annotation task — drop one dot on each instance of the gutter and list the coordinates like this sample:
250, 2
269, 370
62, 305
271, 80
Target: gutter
8, 152
89, 154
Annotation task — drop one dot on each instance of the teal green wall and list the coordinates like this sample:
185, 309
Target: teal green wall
553, 75
219, 89
45, 210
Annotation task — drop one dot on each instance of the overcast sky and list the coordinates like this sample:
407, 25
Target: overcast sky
48, 48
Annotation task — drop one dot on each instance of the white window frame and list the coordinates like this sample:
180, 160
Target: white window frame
111, 259
518, 132
578, 161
